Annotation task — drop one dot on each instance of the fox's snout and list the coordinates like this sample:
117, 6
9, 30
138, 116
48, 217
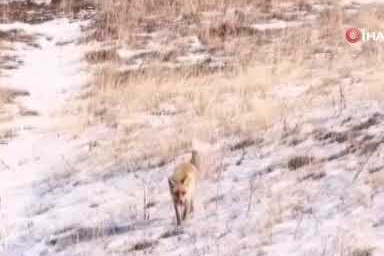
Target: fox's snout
180, 196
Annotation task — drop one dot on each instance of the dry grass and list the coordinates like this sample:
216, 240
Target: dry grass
121, 19
127, 13
157, 114
4, 96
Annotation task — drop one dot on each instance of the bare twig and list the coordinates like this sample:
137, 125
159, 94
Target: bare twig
298, 226
342, 102
251, 193
219, 180
5, 165
68, 164
145, 212
146, 215
242, 157
362, 166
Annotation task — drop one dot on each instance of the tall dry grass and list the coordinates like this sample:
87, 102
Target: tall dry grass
157, 114
121, 19
3, 93
3, 98
133, 10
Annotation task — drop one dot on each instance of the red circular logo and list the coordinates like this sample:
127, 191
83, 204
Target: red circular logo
353, 35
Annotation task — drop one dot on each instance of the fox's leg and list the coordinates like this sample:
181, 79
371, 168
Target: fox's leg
186, 210
191, 207
178, 221
174, 203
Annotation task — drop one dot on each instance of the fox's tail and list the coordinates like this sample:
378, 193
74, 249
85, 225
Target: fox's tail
195, 158
207, 157
202, 157
199, 149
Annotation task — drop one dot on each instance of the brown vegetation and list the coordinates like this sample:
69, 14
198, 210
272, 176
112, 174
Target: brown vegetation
272, 74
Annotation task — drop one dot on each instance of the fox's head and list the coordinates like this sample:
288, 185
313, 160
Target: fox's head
179, 190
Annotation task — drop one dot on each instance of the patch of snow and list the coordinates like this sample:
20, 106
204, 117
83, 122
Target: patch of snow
130, 55
50, 71
349, 2
288, 91
196, 45
275, 24
194, 59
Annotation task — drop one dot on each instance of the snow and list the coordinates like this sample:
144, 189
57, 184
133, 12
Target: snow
135, 54
348, 2
51, 73
275, 24
59, 67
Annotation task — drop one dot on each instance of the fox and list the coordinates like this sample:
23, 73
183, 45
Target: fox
182, 186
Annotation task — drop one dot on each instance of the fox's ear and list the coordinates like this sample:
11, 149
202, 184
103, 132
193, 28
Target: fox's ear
171, 183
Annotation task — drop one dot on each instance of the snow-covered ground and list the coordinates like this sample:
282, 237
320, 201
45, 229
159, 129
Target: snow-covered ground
293, 192
259, 205
52, 72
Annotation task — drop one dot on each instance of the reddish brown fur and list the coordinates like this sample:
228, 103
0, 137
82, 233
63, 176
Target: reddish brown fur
182, 186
